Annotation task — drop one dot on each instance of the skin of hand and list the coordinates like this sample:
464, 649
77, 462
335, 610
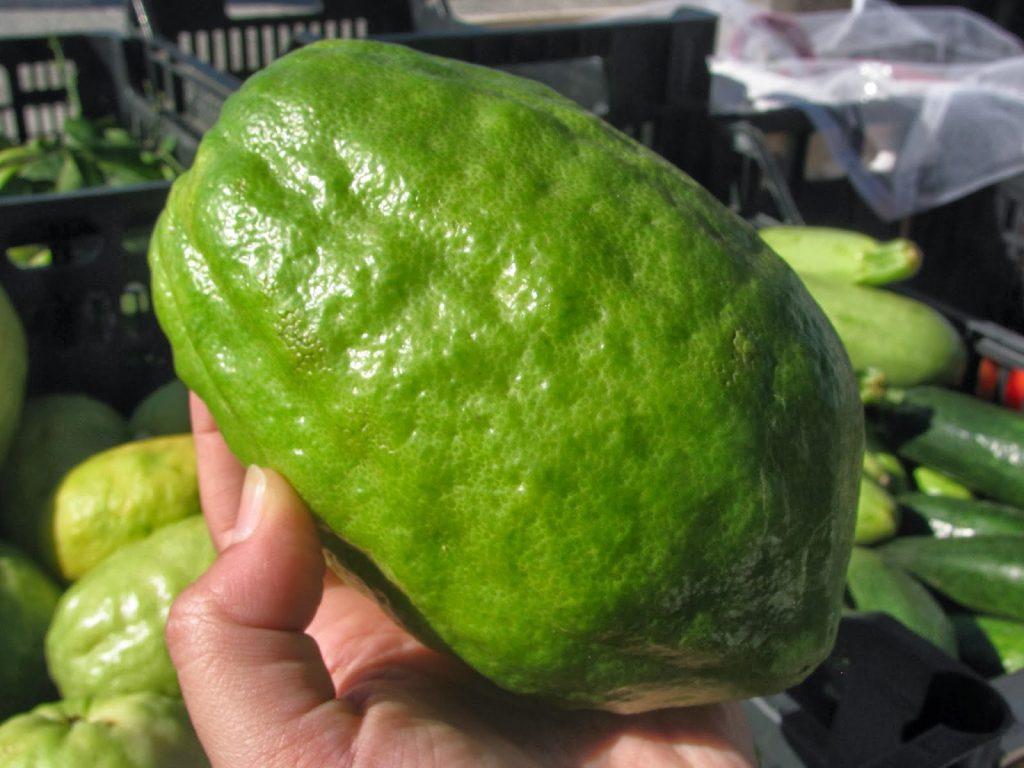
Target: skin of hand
282, 664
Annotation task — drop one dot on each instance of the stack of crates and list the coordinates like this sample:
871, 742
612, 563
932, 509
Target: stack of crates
242, 45
87, 313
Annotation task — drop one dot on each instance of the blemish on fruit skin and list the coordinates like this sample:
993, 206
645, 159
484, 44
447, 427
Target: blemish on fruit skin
743, 346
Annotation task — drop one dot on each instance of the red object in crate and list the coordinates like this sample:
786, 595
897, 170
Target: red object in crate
1000, 384
999, 376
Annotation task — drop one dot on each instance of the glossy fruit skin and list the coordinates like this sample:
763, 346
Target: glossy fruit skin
107, 634
142, 730
55, 433
122, 495
564, 414
164, 411
28, 597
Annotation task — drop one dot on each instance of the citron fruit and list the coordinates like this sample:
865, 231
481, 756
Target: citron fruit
121, 495
28, 597
141, 730
54, 434
164, 411
107, 633
560, 410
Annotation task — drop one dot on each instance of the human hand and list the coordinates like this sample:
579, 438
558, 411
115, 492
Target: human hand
283, 665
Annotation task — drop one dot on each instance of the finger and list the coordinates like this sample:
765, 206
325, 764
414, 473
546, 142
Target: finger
253, 681
220, 474
357, 637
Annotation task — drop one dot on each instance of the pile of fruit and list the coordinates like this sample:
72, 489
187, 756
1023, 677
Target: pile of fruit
940, 518
99, 531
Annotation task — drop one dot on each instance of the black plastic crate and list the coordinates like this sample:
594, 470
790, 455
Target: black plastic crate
87, 314
886, 698
242, 45
649, 78
774, 165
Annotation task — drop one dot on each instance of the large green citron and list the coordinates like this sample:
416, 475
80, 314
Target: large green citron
28, 597
566, 415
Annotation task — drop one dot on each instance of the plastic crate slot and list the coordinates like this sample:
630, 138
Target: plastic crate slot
235, 45
1009, 204
219, 48
135, 300
958, 702
270, 35
97, 320
9, 122
44, 119
137, 319
44, 76
71, 244
201, 43
184, 42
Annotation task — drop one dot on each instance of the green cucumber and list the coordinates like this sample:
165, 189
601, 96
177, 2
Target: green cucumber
843, 254
878, 514
982, 573
906, 340
935, 483
991, 645
977, 443
948, 517
875, 585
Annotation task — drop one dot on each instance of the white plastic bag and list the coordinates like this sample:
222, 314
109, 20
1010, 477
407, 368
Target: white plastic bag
919, 106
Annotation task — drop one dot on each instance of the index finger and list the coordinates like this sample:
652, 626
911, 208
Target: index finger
221, 475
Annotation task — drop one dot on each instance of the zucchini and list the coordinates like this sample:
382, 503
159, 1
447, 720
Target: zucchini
982, 573
907, 340
991, 645
843, 254
935, 483
875, 585
948, 517
977, 443
878, 514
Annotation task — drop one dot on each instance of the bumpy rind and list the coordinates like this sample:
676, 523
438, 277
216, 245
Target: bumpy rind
585, 430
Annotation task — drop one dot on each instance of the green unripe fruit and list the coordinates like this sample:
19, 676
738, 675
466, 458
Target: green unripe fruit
567, 416
107, 634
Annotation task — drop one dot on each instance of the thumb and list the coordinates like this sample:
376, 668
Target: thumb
249, 674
